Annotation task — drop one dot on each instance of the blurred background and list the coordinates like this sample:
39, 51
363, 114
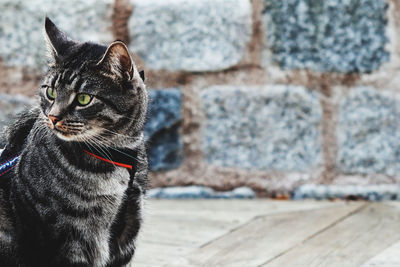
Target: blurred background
284, 99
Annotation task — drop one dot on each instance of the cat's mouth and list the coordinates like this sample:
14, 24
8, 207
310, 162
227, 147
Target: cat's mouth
64, 131
67, 131
66, 134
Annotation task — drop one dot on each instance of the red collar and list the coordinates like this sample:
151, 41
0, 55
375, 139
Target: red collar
110, 161
117, 156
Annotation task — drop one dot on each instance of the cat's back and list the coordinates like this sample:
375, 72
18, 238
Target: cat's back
15, 135
5, 220
7, 249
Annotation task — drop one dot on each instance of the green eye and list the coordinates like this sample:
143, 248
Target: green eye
51, 93
84, 99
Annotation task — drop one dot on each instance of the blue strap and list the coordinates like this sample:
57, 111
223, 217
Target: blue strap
8, 165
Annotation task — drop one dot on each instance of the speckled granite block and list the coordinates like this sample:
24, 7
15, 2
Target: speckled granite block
328, 35
369, 132
190, 35
10, 106
196, 192
165, 150
22, 22
272, 127
370, 192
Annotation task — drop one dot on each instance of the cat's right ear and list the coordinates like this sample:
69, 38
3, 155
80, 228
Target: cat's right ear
141, 73
118, 61
57, 42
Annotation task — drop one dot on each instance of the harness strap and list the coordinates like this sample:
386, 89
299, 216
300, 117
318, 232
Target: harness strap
8, 165
123, 158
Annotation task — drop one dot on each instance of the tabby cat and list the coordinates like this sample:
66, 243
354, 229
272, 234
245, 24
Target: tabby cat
74, 197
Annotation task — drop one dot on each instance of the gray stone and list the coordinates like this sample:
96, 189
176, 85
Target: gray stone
178, 192
154, 192
22, 22
10, 106
329, 35
369, 132
237, 193
243, 192
185, 192
382, 192
165, 148
190, 35
272, 127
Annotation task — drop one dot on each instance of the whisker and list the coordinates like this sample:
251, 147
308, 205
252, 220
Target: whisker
117, 134
72, 128
115, 149
40, 127
74, 123
103, 150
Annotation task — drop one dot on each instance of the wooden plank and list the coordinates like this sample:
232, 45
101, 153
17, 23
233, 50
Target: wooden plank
390, 257
395, 204
157, 255
183, 231
178, 226
193, 223
229, 206
348, 243
266, 237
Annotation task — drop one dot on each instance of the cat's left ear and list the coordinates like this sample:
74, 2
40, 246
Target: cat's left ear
118, 61
57, 41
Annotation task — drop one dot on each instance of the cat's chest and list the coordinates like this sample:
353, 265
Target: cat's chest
90, 182
113, 183
99, 195
85, 201
108, 190
111, 189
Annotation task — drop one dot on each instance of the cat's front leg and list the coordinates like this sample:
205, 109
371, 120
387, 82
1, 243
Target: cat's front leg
74, 256
125, 229
82, 253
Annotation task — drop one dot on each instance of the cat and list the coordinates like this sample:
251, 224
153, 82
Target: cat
75, 194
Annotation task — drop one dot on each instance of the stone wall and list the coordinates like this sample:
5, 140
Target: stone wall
261, 93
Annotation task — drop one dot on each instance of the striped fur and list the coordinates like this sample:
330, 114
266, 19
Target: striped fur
60, 206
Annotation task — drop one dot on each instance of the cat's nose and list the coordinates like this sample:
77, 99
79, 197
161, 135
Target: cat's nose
54, 119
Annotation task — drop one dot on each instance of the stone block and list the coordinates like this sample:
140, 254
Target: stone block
165, 149
190, 35
266, 128
381, 192
22, 26
330, 35
200, 192
369, 132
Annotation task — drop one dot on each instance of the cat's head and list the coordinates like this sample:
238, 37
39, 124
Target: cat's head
91, 93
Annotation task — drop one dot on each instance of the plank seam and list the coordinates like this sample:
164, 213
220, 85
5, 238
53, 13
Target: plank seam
315, 234
256, 217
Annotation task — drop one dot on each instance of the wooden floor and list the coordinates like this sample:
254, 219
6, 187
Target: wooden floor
248, 233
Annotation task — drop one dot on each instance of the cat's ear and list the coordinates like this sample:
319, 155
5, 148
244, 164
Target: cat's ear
118, 61
57, 42
141, 73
